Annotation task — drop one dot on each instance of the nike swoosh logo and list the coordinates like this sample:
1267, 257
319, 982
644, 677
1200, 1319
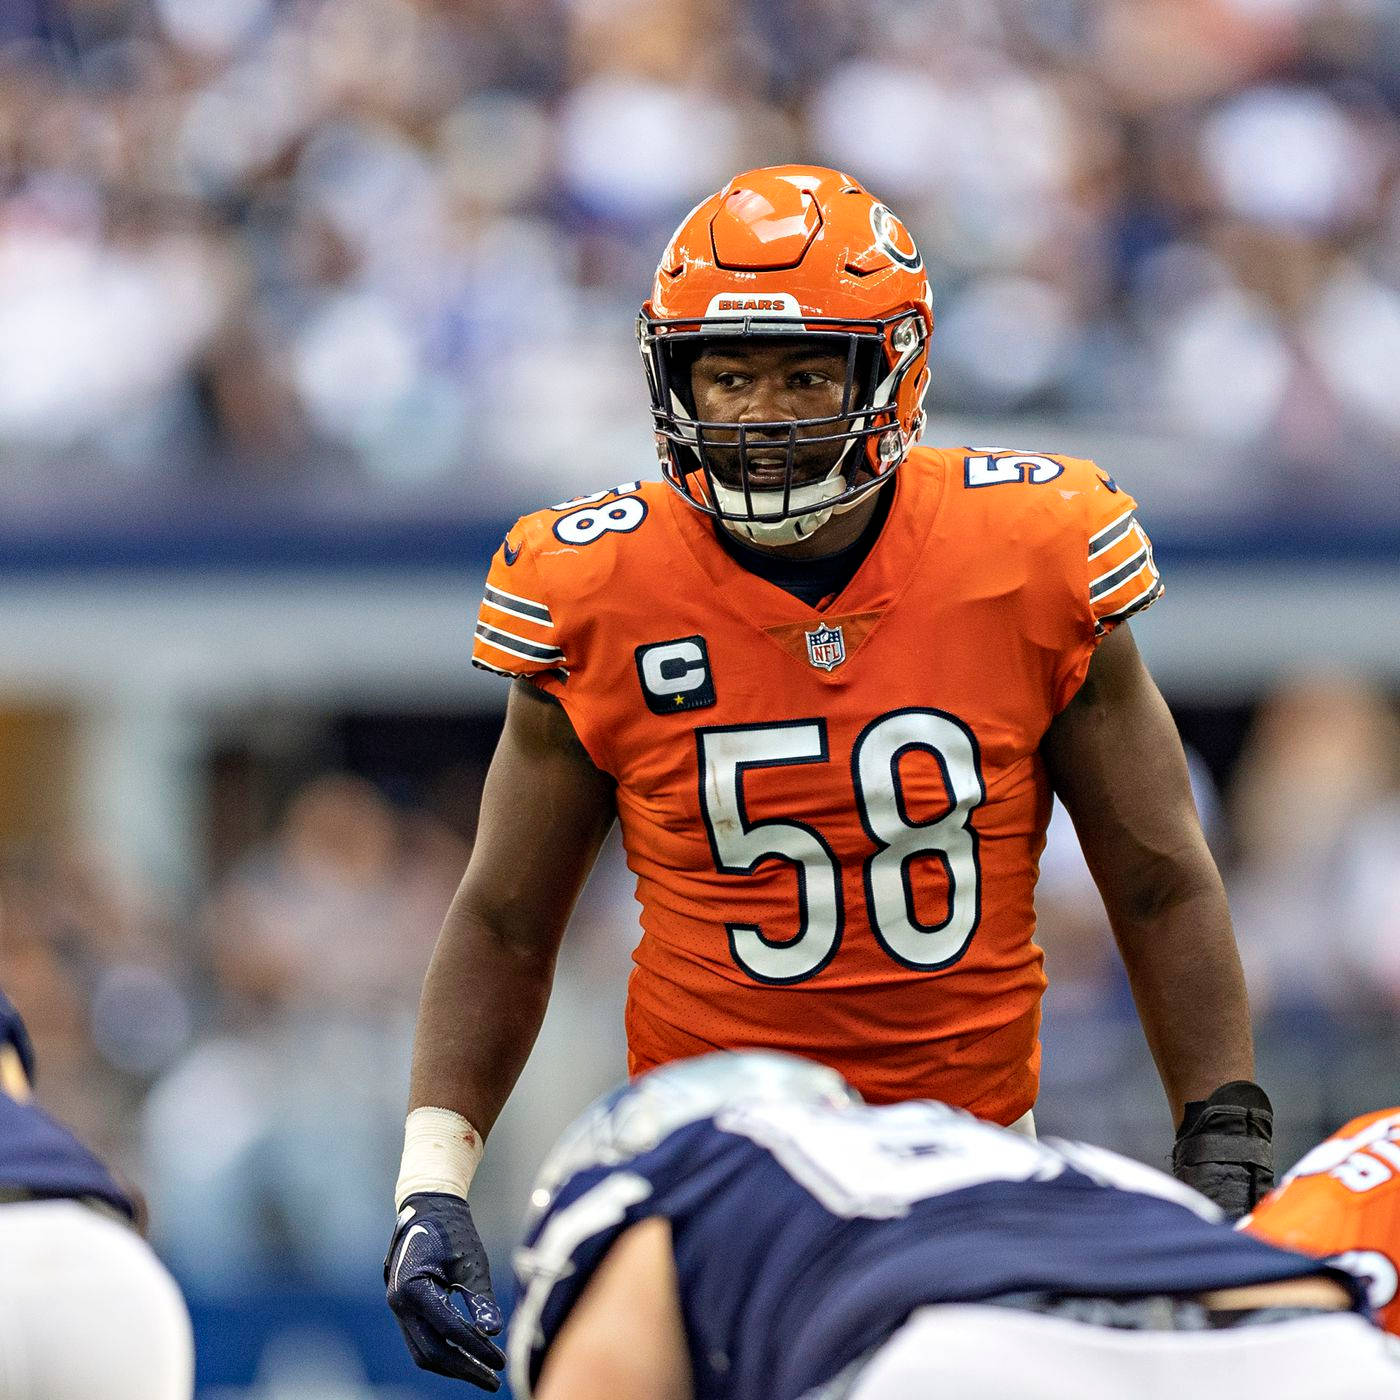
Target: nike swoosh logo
511, 554
403, 1249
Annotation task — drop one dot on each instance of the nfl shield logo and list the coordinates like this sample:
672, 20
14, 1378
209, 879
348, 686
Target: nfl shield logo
826, 647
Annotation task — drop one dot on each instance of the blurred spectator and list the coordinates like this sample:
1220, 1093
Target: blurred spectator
279, 1134
1311, 801
97, 972
1368, 897
329, 919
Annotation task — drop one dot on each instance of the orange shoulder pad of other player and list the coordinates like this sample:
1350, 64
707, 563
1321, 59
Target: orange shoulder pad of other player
1342, 1202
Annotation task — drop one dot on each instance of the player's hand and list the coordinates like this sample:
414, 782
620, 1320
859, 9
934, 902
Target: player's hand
1225, 1147
436, 1252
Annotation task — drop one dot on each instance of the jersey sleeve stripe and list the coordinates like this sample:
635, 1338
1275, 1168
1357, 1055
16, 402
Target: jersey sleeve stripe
1145, 599
1117, 576
512, 612
517, 646
517, 606
1111, 533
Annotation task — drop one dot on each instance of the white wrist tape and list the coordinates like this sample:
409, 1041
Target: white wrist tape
441, 1152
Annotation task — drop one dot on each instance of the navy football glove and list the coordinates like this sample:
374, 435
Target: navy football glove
1225, 1147
436, 1252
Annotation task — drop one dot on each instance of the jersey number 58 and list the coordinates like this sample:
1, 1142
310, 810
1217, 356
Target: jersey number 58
739, 845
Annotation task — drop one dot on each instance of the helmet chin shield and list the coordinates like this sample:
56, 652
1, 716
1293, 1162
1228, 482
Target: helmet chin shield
770, 522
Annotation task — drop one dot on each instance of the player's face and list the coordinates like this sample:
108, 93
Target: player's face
773, 383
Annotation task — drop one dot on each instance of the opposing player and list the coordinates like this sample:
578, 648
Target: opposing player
828, 681
1342, 1200
86, 1308
741, 1226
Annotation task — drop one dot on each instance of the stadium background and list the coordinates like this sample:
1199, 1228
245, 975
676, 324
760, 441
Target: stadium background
301, 303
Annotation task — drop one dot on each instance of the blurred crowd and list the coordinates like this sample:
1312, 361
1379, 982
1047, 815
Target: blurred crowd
246, 1061
398, 244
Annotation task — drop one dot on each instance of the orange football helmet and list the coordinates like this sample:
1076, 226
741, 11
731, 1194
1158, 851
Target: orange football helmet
786, 251
1342, 1202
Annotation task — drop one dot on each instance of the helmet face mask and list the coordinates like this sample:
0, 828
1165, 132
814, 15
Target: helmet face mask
777, 257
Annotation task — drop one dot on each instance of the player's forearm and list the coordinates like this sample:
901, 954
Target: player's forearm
1180, 954
483, 1000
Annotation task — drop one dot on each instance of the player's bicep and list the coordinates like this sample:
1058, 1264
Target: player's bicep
545, 811
1115, 760
624, 1339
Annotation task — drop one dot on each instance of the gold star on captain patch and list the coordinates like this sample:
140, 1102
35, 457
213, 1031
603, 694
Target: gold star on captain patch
680, 699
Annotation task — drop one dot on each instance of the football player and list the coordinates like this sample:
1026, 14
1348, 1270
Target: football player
741, 1226
1343, 1200
827, 681
86, 1308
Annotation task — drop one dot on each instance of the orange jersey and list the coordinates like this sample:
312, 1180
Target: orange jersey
1342, 1202
834, 815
